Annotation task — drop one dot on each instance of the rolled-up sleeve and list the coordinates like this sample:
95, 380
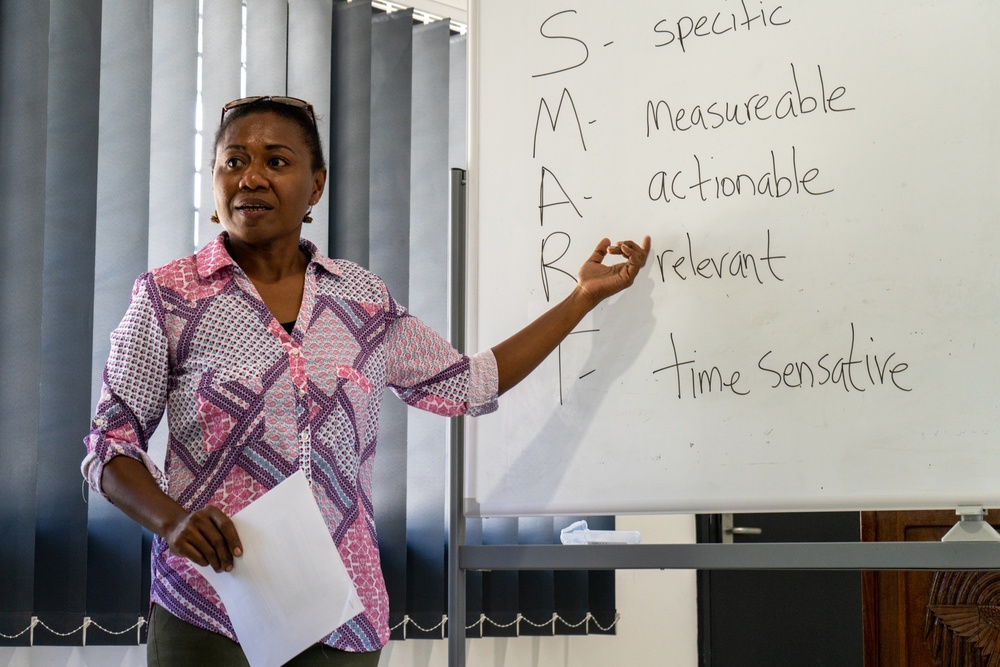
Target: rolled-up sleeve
428, 373
134, 390
483, 384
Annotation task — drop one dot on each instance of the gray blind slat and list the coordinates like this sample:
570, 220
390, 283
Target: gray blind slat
267, 30
222, 39
171, 151
428, 298
122, 166
309, 78
23, 93
67, 303
121, 243
347, 189
392, 49
457, 89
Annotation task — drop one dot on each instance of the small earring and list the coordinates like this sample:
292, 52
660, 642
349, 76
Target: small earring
215, 217
308, 217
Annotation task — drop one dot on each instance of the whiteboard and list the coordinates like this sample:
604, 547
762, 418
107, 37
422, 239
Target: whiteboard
818, 326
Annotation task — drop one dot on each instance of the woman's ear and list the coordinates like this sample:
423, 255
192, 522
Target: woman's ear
319, 184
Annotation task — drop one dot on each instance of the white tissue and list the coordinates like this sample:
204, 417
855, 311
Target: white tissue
579, 533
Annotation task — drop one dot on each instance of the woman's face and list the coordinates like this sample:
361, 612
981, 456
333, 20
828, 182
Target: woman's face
263, 179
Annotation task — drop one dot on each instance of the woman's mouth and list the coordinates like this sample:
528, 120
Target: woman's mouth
253, 207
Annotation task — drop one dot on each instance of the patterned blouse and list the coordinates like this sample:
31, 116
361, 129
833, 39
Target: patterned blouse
249, 404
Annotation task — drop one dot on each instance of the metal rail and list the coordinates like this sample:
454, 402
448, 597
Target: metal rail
771, 556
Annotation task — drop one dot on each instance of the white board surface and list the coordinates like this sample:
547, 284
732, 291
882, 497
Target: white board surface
818, 326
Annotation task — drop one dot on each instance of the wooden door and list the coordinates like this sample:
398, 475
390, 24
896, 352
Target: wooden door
923, 618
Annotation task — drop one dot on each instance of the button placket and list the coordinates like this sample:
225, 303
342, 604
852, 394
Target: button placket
297, 368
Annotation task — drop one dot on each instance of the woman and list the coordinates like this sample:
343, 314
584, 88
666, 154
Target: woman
270, 359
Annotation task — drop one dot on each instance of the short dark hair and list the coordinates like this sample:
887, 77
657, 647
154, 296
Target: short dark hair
300, 116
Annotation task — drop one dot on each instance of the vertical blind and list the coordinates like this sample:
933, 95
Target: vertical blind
107, 115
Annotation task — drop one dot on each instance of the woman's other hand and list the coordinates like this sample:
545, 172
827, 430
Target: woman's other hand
206, 537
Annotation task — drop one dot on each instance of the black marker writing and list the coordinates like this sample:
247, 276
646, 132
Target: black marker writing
676, 366
547, 262
681, 30
544, 203
848, 371
667, 186
559, 357
853, 371
543, 104
586, 50
738, 264
704, 381
796, 100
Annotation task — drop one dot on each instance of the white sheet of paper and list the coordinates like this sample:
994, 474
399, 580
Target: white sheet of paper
290, 588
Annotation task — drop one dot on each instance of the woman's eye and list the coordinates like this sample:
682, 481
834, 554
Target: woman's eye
232, 163
278, 161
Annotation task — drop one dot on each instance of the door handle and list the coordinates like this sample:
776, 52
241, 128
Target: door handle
729, 530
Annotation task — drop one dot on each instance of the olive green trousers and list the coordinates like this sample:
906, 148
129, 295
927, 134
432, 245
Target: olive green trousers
175, 643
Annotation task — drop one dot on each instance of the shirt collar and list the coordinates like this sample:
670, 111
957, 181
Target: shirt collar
214, 257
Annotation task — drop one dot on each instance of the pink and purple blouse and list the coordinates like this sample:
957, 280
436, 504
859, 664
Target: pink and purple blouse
248, 404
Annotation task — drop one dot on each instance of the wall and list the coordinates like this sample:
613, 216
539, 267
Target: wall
658, 618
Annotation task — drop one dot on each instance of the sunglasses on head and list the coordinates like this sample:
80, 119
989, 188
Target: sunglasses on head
290, 101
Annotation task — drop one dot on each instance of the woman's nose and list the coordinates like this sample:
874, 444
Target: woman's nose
253, 177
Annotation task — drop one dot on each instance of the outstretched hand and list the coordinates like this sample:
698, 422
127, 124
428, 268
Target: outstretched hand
521, 353
599, 281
